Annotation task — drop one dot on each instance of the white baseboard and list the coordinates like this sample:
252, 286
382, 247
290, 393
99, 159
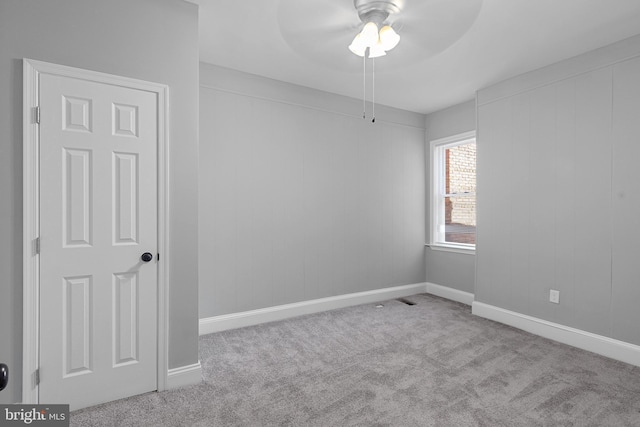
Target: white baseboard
450, 293
609, 347
184, 376
270, 314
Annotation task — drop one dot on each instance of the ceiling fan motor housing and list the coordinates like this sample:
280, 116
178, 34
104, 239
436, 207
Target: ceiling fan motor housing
377, 11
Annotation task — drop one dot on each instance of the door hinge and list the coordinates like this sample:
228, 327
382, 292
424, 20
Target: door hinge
36, 246
37, 114
36, 377
158, 257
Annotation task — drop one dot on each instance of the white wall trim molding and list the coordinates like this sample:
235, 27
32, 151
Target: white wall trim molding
301, 105
235, 82
280, 312
32, 70
30, 230
184, 376
450, 293
587, 62
609, 347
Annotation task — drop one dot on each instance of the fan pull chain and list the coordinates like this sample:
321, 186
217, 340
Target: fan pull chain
373, 96
364, 86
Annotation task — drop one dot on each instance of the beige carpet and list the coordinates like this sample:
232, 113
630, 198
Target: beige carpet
429, 364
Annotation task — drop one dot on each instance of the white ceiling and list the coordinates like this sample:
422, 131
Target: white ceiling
507, 38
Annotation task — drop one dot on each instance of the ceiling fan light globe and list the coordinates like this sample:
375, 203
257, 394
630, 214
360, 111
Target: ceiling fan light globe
357, 47
388, 38
369, 34
357, 50
376, 51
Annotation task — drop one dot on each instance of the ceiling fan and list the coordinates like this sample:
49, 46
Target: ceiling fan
377, 36
323, 30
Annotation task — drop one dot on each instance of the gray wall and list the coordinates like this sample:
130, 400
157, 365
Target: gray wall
559, 192
454, 270
300, 198
155, 40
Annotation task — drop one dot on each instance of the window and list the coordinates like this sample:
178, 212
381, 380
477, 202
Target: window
453, 192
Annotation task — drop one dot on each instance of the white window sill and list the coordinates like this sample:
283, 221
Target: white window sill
452, 248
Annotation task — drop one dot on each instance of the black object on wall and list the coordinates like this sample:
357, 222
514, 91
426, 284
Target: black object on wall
4, 376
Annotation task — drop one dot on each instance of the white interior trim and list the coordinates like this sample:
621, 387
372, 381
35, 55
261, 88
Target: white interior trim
460, 138
436, 209
310, 107
562, 70
31, 229
32, 70
453, 249
235, 82
609, 347
450, 293
184, 376
270, 314
163, 236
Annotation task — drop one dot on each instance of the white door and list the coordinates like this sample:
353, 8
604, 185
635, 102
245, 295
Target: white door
98, 215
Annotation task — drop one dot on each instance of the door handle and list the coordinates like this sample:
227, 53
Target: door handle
146, 257
4, 376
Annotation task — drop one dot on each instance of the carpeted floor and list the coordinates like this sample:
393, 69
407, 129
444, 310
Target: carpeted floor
429, 364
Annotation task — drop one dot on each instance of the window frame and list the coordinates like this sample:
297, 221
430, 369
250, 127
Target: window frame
437, 168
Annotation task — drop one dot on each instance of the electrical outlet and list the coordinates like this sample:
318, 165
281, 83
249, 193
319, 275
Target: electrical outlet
554, 296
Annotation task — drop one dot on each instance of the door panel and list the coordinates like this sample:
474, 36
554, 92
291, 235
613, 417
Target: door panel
125, 206
77, 331
76, 197
98, 214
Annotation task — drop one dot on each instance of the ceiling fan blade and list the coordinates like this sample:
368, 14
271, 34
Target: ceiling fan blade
297, 16
321, 30
318, 28
319, 33
434, 25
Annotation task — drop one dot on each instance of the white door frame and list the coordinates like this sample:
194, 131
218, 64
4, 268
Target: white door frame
31, 214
